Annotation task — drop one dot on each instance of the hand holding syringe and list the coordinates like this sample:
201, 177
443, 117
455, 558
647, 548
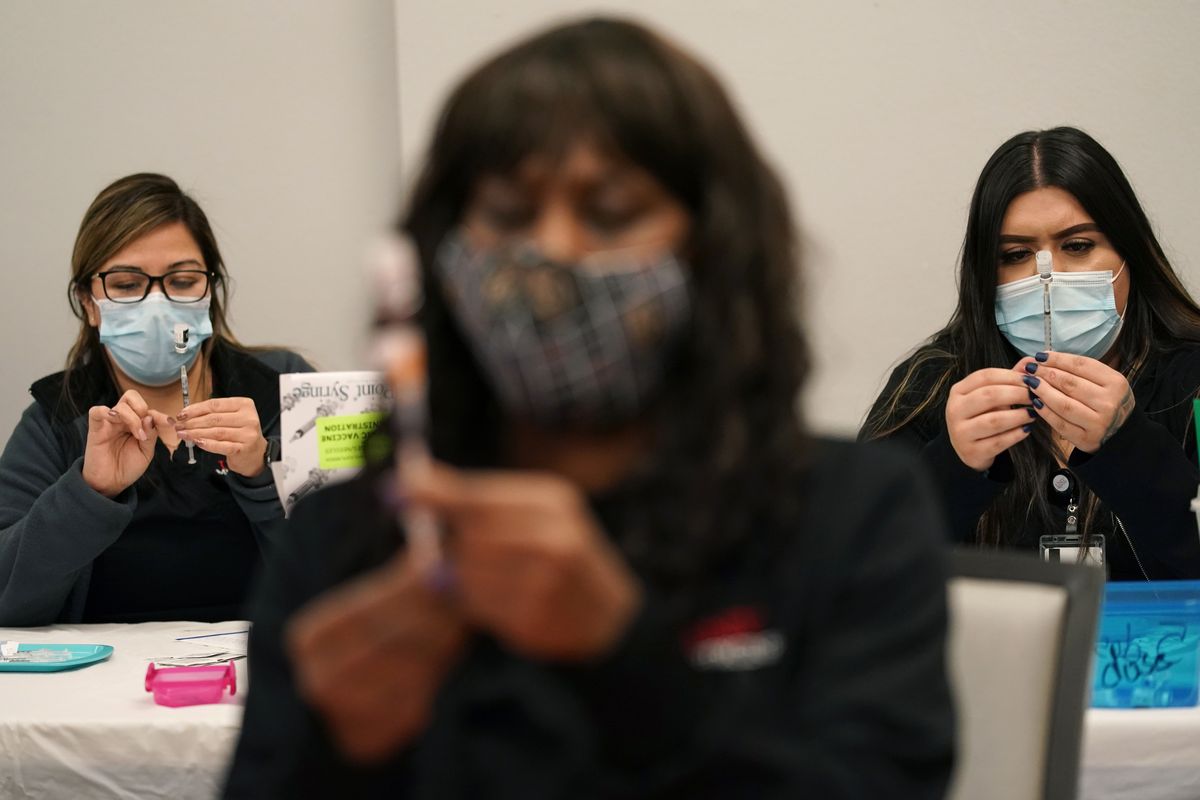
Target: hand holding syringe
399, 350
181, 338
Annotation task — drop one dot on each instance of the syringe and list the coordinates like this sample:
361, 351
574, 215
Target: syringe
181, 337
399, 350
1045, 275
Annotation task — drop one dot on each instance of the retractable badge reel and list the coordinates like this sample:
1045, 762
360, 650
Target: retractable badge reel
1069, 546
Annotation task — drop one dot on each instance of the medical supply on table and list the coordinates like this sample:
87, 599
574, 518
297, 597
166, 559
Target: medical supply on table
399, 351
181, 340
190, 686
1146, 647
49, 656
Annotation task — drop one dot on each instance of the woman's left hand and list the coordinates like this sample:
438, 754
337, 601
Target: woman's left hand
227, 426
531, 563
1085, 401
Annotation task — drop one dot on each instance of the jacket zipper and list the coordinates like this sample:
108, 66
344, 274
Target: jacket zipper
1132, 549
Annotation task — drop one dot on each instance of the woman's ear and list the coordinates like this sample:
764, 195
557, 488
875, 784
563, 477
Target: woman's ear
90, 310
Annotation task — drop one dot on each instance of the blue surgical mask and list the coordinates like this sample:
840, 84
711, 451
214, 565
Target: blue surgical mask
141, 336
1083, 313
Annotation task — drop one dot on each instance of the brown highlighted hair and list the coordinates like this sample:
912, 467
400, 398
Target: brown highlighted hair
123, 212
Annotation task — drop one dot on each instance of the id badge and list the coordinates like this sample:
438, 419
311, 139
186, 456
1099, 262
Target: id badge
1065, 548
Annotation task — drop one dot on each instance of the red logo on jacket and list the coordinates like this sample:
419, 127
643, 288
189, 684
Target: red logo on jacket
733, 640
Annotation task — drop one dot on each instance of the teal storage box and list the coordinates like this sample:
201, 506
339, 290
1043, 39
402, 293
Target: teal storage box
1146, 646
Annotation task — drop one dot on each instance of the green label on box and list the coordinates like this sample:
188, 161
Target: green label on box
340, 439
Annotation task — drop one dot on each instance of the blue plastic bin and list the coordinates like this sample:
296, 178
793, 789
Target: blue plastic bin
1146, 646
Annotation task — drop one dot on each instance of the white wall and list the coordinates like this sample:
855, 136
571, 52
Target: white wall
880, 116
278, 115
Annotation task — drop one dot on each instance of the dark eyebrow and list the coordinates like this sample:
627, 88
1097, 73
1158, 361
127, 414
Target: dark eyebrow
1063, 234
185, 264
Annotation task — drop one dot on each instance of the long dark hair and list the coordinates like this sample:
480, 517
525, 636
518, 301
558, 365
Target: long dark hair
1159, 314
729, 438
124, 211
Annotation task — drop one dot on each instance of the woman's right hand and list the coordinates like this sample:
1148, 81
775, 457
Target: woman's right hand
370, 656
986, 413
120, 444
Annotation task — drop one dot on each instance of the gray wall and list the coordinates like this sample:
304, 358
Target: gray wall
279, 116
282, 118
880, 116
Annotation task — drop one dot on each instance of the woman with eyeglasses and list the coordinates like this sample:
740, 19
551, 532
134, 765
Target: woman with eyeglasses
1055, 407
117, 502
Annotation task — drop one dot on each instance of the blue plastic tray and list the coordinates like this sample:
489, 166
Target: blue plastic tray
80, 656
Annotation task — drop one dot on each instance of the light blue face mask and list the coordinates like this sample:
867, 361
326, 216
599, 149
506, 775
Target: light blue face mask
141, 336
1083, 313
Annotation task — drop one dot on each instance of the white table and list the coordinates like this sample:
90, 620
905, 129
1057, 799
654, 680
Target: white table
1141, 754
95, 732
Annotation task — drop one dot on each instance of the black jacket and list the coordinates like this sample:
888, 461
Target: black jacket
54, 527
812, 665
1144, 476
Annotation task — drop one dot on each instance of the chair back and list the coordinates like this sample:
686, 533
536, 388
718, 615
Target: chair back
1022, 632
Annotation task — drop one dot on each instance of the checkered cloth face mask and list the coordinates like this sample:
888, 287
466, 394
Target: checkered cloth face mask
568, 345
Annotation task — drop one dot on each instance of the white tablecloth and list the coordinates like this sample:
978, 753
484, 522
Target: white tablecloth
1141, 754
95, 732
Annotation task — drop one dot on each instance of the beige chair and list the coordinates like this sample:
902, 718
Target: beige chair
1022, 632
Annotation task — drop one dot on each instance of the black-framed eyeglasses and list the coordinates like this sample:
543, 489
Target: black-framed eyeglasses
133, 286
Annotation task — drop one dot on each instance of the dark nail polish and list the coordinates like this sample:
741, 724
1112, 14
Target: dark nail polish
1032, 413
442, 578
1037, 403
1027, 428
389, 493
1041, 356
1031, 367
1031, 382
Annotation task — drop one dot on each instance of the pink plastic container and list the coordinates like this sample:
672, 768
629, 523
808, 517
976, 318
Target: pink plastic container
190, 686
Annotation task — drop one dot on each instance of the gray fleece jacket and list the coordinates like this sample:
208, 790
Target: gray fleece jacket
53, 525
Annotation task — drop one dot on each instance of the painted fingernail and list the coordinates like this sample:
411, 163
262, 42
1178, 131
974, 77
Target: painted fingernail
172, 421
442, 579
1031, 382
389, 493
182, 415
1032, 413
1041, 356
1037, 403
1027, 428
1031, 367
